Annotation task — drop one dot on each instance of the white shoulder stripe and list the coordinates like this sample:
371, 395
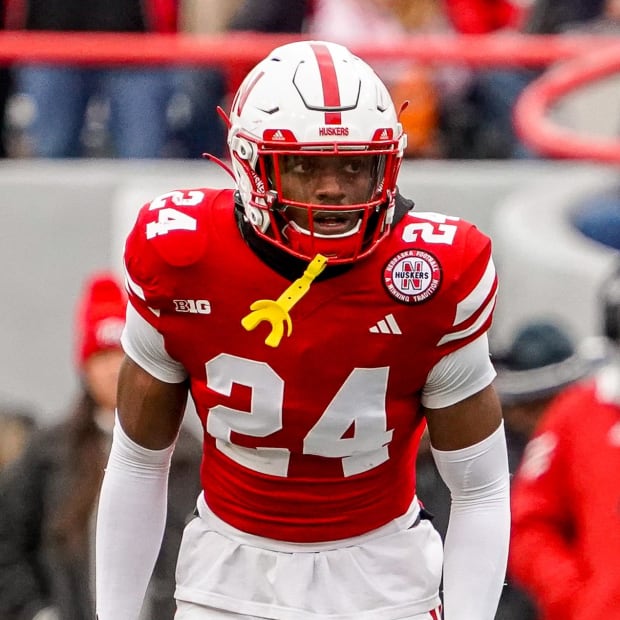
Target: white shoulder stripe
474, 327
137, 290
473, 302
132, 286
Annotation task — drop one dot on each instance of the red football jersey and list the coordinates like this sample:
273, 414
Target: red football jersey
314, 439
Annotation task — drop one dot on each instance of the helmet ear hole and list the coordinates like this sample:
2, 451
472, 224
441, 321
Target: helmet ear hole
255, 218
244, 149
244, 152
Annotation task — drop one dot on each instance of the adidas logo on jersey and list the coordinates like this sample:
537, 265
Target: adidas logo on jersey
387, 325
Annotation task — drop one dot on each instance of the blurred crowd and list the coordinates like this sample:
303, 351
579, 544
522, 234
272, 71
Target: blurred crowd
152, 111
50, 477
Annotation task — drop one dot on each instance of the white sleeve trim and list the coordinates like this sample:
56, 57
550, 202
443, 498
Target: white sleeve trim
474, 327
459, 374
466, 308
145, 346
477, 540
131, 518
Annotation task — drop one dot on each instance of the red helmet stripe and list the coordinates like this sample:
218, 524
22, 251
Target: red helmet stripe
329, 80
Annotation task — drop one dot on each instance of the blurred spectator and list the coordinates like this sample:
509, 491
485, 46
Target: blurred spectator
598, 218
565, 546
495, 92
195, 125
352, 22
481, 125
270, 16
540, 362
556, 16
16, 426
48, 495
204, 88
484, 16
5, 89
267, 16
131, 101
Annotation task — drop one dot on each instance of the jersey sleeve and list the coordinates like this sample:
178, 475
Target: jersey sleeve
145, 346
471, 289
459, 374
541, 517
169, 233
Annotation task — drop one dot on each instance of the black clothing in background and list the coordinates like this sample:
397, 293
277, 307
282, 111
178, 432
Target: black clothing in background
5, 90
273, 16
554, 16
77, 15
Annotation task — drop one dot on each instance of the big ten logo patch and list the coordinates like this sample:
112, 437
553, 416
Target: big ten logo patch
193, 306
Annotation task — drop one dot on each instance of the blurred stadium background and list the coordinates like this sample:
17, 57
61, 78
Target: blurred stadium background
59, 220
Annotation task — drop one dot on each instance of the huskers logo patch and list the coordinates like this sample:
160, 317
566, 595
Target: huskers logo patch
412, 276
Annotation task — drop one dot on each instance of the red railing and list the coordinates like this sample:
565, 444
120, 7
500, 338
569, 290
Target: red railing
532, 120
582, 59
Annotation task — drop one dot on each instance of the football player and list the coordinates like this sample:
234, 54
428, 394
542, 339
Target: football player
319, 324
566, 494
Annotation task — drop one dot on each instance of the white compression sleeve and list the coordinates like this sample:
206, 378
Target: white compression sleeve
476, 546
130, 525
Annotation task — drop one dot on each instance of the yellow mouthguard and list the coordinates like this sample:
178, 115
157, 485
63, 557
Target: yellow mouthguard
277, 312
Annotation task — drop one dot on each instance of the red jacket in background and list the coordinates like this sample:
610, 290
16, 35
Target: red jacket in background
483, 16
565, 545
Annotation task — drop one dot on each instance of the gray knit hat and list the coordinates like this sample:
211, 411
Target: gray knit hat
539, 363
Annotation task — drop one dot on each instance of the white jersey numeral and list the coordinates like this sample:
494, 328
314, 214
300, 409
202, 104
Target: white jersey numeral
169, 218
357, 409
359, 405
435, 230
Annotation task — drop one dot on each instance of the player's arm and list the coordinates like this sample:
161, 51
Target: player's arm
132, 508
469, 447
149, 411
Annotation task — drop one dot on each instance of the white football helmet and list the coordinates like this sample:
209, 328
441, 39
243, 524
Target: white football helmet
306, 100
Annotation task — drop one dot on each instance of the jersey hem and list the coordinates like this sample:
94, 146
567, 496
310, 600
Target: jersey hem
402, 522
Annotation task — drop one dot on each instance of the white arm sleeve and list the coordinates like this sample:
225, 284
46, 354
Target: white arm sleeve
476, 546
130, 525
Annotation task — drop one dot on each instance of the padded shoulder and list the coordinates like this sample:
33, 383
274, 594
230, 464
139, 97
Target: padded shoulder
170, 232
458, 257
175, 225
